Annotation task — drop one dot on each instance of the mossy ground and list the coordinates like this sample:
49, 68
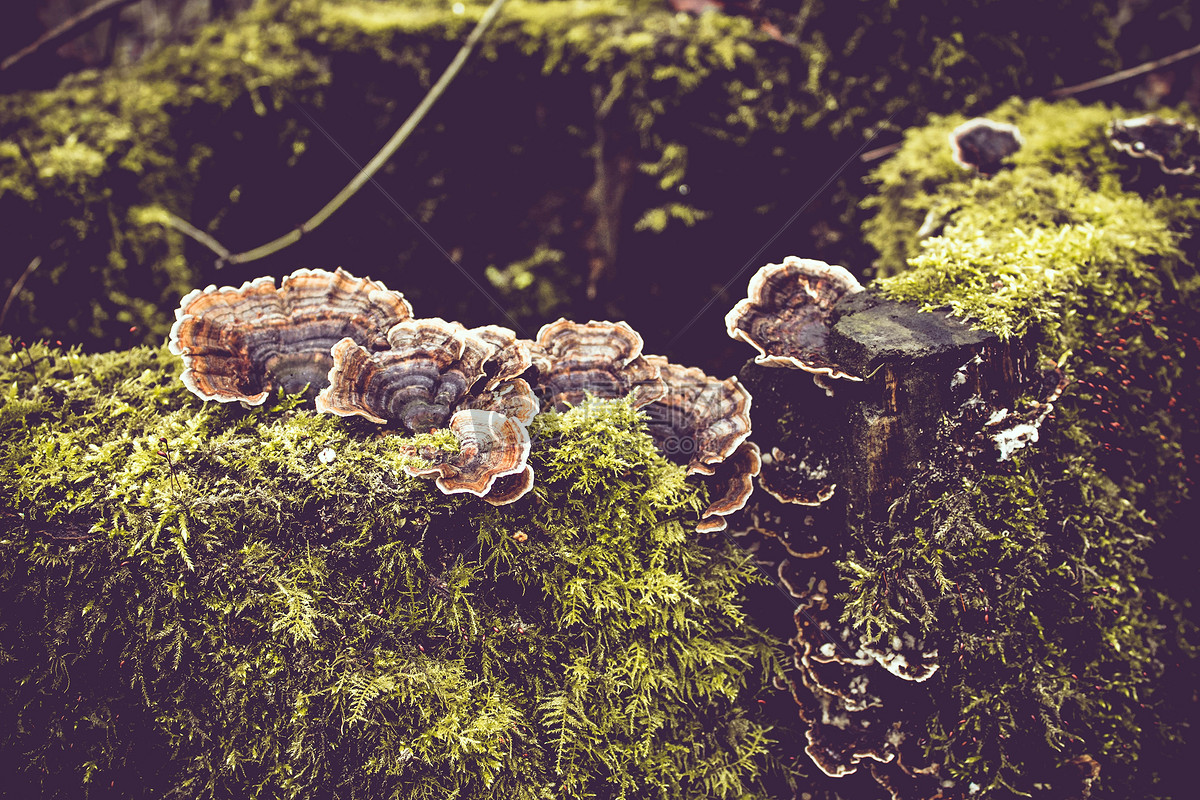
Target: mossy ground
196, 603
1046, 578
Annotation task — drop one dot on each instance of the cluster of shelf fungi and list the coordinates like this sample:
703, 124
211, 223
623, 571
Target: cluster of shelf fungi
850, 392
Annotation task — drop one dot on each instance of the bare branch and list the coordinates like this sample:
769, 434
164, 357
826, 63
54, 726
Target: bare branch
72, 28
1126, 74
185, 227
879, 152
384, 153
16, 289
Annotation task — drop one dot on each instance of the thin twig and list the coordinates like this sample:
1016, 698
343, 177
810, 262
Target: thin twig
385, 152
879, 152
74, 27
1125, 74
16, 289
183, 226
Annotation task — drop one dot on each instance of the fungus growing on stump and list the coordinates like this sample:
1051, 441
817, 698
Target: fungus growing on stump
699, 421
788, 315
491, 446
802, 477
702, 423
1174, 144
730, 487
241, 344
437, 374
982, 144
603, 359
858, 714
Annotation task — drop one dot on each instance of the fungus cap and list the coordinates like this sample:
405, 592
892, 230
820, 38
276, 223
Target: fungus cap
603, 359
510, 488
800, 479
787, 314
420, 381
731, 487
699, 421
491, 446
240, 344
982, 144
513, 398
1174, 144
510, 356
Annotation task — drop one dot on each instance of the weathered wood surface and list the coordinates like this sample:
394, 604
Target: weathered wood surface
917, 366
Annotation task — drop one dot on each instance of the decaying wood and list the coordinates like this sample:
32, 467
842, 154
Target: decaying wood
880, 432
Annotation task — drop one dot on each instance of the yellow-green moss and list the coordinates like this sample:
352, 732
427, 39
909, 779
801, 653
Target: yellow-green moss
1033, 576
197, 601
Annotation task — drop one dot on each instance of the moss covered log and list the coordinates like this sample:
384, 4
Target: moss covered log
211, 601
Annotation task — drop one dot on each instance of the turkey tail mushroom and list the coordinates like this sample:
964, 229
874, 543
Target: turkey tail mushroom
240, 344
603, 359
788, 314
982, 144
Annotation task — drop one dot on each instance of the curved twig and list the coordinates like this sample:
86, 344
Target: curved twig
384, 153
185, 227
16, 288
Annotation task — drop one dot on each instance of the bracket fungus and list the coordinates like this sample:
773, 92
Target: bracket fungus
699, 421
800, 532
703, 423
850, 706
982, 144
436, 374
603, 359
802, 479
731, 487
491, 446
1174, 144
788, 312
510, 356
241, 344
430, 367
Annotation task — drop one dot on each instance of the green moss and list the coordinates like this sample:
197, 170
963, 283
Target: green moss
196, 602
1045, 246
1032, 576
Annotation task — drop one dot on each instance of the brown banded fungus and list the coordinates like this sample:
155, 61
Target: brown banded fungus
602, 359
1174, 144
491, 446
787, 315
430, 368
849, 704
802, 478
436, 375
699, 421
241, 344
982, 144
730, 487
800, 532
510, 356
510, 488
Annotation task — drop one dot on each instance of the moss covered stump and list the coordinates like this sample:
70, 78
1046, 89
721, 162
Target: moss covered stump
213, 601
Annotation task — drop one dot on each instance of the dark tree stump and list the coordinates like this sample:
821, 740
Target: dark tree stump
877, 433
